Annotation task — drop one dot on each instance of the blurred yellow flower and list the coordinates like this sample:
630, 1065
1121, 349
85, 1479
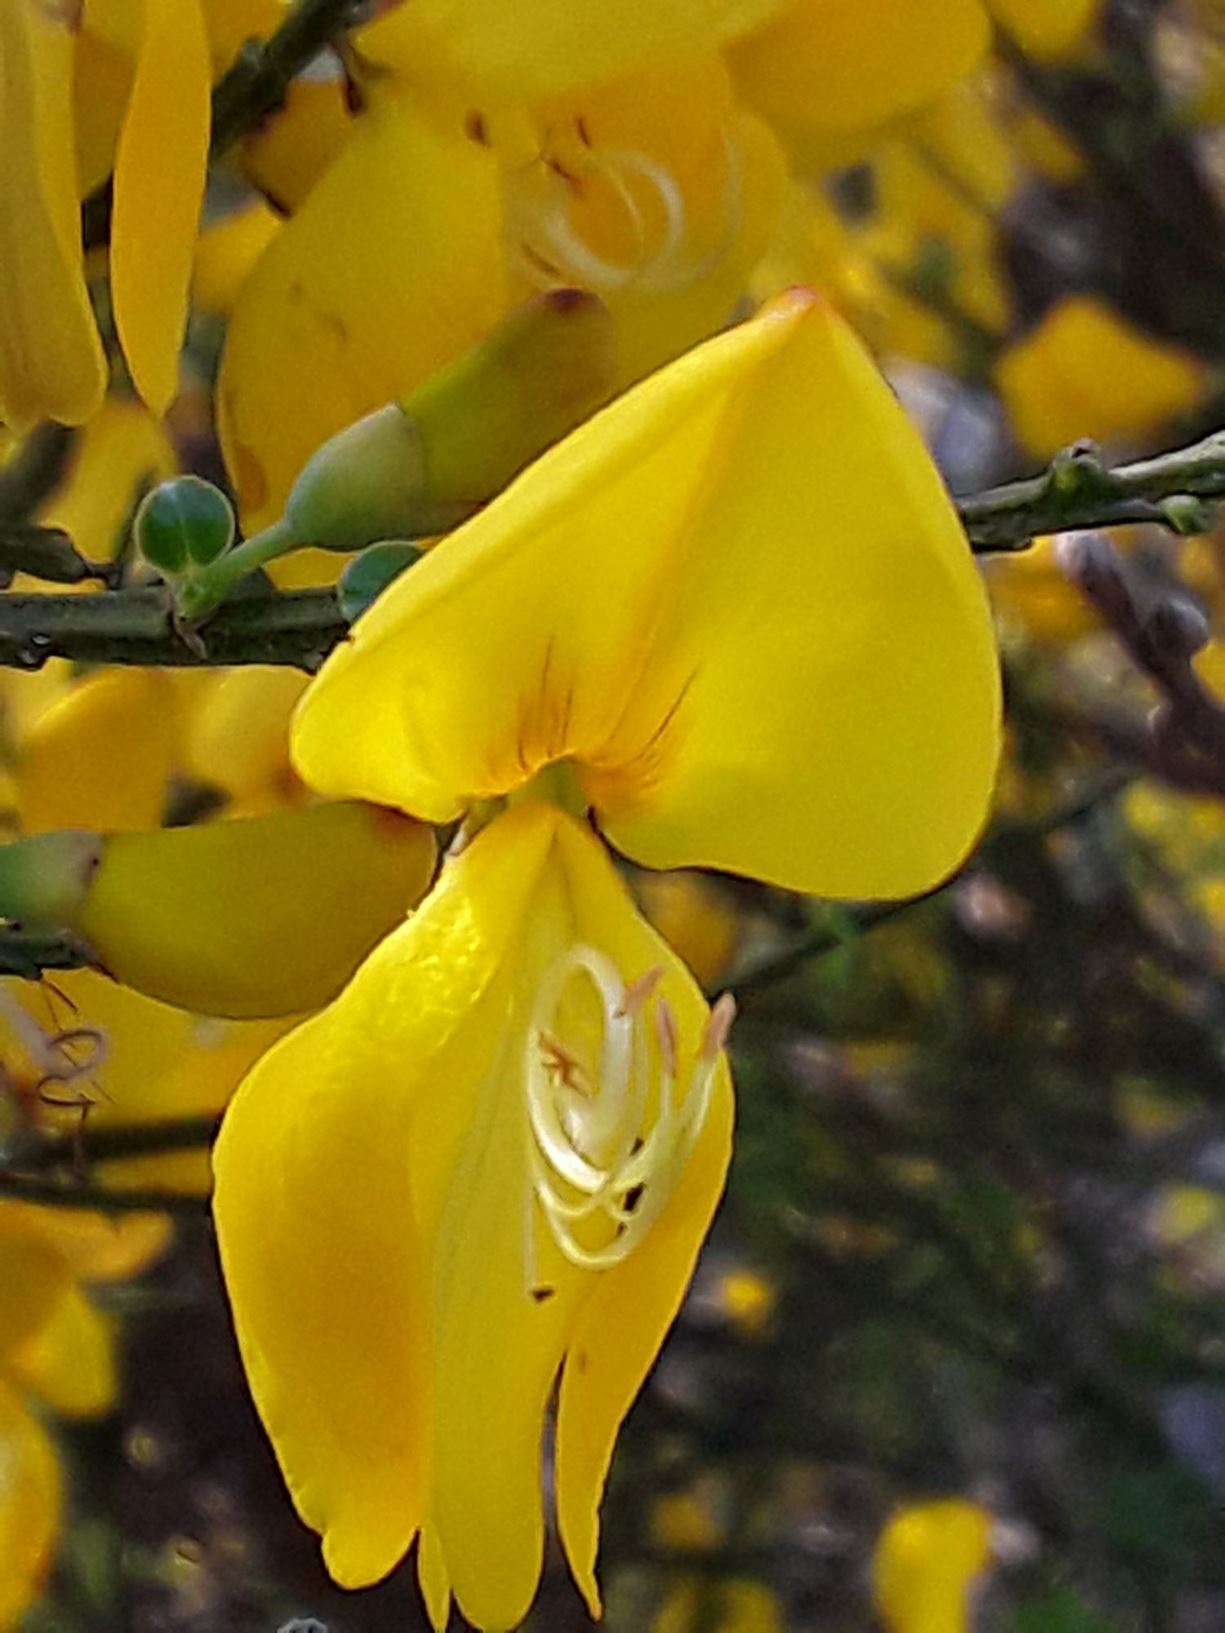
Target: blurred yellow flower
720, 1605
927, 1562
56, 1349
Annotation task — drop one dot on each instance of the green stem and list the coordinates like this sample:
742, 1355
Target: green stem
1077, 491
38, 1152
207, 587
136, 626
27, 953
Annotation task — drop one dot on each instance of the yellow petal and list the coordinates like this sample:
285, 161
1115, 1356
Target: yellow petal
316, 1170
238, 736
96, 1247
51, 360
288, 155
101, 756
926, 1561
548, 46
432, 1577
121, 451
33, 1278
1059, 382
754, 687
102, 82
227, 251
70, 1362
830, 65
497, 1269
159, 182
391, 268
1045, 29
632, 1306
29, 1508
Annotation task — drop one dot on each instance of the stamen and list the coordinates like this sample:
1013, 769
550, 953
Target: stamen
669, 1036
610, 1150
719, 1026
639, 992
664, 256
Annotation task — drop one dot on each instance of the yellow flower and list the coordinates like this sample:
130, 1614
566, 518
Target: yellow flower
151, 62
927, 1561
729, 1605
494, 1157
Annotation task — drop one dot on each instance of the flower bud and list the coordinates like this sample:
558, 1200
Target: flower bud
420, 466
183, 523
45, 878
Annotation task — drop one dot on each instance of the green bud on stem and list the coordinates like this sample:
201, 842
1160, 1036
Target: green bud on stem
183, 523
420, 466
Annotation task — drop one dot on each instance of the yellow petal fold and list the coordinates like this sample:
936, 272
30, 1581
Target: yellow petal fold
29, 1507
159, 183
51, 360
738, 599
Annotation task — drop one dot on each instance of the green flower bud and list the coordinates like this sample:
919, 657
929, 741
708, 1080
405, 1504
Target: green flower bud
44, 879
183, 523
420, 466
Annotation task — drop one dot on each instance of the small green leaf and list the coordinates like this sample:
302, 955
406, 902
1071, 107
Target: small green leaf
368, 575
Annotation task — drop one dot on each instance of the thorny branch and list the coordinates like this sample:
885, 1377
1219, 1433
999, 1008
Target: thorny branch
134, 625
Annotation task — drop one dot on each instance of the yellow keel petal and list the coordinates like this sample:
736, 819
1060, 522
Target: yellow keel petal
159, 183
51, 360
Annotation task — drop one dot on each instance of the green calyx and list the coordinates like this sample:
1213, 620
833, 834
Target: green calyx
45, 879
